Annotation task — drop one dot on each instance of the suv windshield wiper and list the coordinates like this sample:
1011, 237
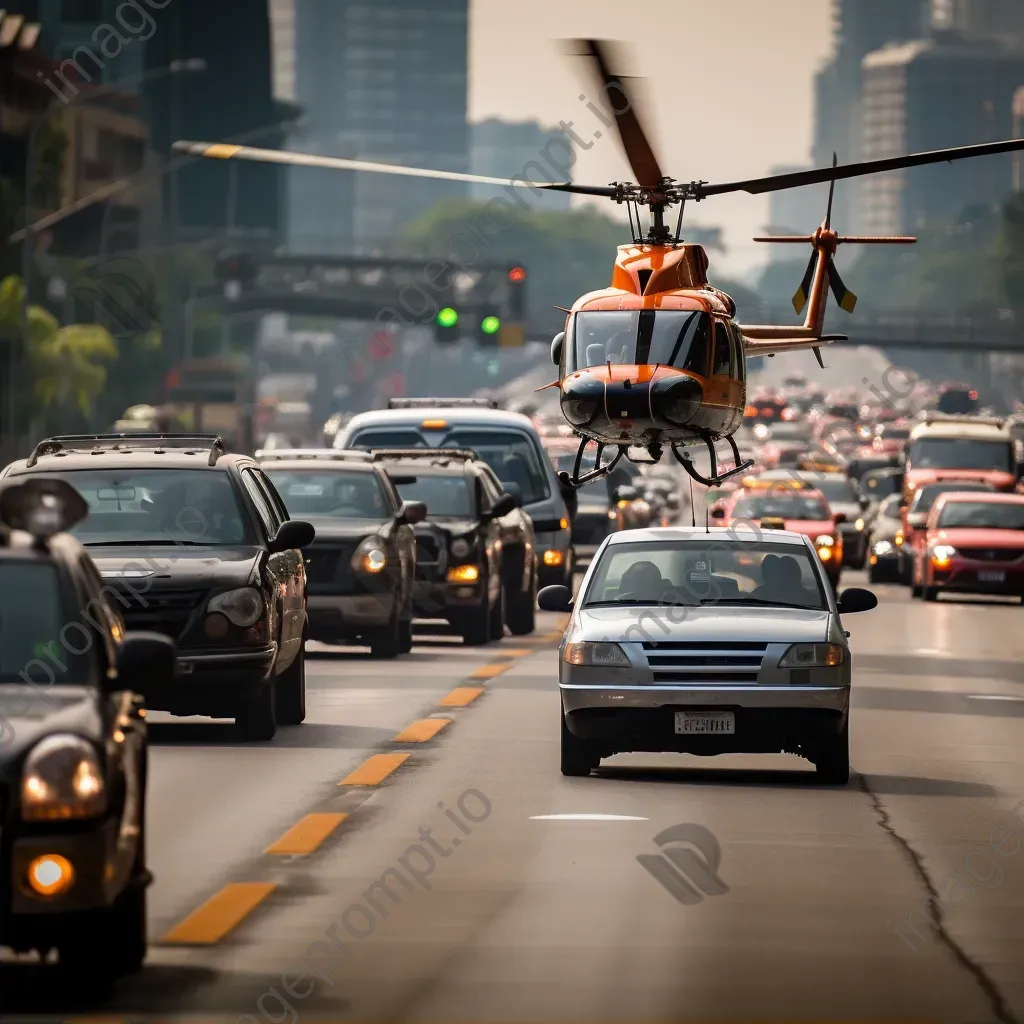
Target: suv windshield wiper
758, 601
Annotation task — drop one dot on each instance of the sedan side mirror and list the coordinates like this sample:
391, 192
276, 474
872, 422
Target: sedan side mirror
503, 506
856, 599
146, 660
412, 512
839, 517
293, 534
515, 490
555, 599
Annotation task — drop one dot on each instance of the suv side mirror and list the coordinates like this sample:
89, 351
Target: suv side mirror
293, 534
855, 599
412, 512
146, 660
555, 599
515, 490
503, 506
556, 348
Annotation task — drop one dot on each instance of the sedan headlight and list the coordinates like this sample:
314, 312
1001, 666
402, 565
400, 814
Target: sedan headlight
883, 547
460, 547
859, 524
603, 655
942, 554
62, 779
371, 556
243, 607
813, 656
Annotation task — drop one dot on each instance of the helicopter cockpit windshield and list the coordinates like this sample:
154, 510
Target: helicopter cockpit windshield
669, 337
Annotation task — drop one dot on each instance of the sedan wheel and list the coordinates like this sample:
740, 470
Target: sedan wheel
832, 761
258, 721
291, 691
578, 756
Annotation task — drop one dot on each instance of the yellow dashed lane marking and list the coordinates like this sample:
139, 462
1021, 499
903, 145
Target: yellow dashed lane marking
553, 636
516, 653
374, 770
220, 914
423, 730
492, 670
461, 696
307, 835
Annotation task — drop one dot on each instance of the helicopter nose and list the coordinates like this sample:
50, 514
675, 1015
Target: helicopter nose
677, 399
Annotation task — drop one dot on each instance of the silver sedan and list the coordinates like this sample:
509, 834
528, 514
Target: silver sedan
706, 642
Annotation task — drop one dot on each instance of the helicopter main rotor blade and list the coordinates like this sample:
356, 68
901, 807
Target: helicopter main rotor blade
777, 182
631, 132
222, 151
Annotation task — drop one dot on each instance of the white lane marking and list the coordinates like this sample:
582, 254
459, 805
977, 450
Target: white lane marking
931, 650
993, 696
586, 817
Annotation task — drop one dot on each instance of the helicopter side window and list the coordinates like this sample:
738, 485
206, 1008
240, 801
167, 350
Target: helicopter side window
723, 352
739, 363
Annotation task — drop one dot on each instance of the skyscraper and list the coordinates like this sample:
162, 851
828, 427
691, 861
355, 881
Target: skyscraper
507, 149
382, 80
987, 19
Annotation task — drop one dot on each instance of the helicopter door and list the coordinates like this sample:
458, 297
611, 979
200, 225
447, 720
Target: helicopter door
723, 389
739, 363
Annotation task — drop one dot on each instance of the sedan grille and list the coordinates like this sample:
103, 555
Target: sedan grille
705, 661
431, 554
164, 611
329, 563
992, 554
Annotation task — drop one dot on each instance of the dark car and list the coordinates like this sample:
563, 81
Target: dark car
195, 543
360, 567
73, 744
459, 562
885, 541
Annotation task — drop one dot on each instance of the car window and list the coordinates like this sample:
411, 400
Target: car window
384, 438
792, 505
129, 505
447, 496
336, 493
694, 572
34, 608
267, 517
279, 508
512, 455
838, 490
982, 515
925, 496
890, 508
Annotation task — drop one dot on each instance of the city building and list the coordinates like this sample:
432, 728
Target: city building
381, 80
933, 93
984, 19
524, 149
859, 28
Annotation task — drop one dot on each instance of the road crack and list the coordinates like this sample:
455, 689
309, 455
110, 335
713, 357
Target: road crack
936, 917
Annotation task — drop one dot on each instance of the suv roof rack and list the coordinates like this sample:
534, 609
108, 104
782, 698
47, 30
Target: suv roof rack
97, 443
314, 454
951, 417
442, 403
438, 454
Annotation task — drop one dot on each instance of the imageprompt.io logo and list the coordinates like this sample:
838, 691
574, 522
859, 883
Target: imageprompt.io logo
687, 874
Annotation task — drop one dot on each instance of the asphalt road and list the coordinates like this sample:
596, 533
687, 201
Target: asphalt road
529, 918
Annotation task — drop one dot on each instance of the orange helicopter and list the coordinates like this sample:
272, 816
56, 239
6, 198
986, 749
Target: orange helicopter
657, 358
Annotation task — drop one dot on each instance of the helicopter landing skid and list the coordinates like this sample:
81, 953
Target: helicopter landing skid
575, 480
716, 478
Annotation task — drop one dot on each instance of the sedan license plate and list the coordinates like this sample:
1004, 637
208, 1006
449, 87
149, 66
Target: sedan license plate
991, 576
705, 722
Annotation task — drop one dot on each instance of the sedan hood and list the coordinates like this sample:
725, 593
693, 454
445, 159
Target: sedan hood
710, 623
999, 480
29, 714
453, 527
333, 528
810, 528
179, 567
975, 537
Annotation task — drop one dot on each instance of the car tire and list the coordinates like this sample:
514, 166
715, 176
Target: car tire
874, 576
578, 756
258, 720
386, 642
521, 610
405, 629
475, 626
114, 942
832, 762
497, 617
915, 589
929, 593
291, 691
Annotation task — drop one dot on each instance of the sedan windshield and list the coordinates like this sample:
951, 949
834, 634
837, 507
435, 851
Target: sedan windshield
668, 337
158, 506
961, 453
838, 491
781, 506
446, 497
925, 497
983, 515
695, 572
341, 494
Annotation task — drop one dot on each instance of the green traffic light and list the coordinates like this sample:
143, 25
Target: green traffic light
447, 317
490, 325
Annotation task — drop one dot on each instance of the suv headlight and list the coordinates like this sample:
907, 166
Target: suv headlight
62, 779
942, 554
371, 556
813, 656
603, 655
460, 547
883, 547
243, 607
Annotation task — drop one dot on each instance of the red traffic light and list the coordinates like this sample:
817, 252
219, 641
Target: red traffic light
972, 395
517, 274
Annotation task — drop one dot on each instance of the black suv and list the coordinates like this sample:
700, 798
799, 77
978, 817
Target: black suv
196, 543
459, 564
361, 566
73, 748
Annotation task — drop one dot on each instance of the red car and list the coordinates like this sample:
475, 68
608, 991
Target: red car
974, 544
800, 509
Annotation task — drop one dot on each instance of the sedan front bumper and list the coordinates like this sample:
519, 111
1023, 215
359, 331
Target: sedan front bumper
754, 696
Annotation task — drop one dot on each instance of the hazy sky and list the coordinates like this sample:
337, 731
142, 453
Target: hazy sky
728, 92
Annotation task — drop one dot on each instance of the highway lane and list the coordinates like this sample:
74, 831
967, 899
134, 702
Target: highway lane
529, 918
